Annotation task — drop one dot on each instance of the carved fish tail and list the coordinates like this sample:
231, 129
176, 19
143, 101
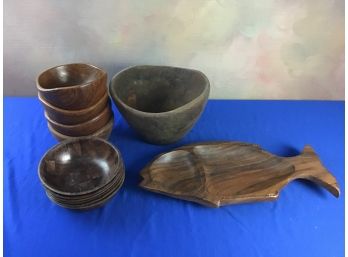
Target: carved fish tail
308, 166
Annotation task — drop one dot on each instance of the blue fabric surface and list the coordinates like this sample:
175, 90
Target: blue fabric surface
305, 221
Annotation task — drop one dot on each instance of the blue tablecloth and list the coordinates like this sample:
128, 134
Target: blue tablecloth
305, 221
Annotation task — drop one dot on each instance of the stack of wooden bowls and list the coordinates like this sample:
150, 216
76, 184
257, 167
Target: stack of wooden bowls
76, 101
82, 173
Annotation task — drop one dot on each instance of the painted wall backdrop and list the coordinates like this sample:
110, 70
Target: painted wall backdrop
249, 49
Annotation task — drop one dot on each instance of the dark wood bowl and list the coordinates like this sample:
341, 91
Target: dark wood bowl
72, 86
72, 117
115, 182
103, 133
82, 129
80, 166
161, 103
87, 205
88, 198
92, 199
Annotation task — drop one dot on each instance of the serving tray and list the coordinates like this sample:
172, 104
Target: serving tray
221, 173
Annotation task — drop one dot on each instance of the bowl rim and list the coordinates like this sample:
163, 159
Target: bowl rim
103, 112
64, 142
181, 108
72, 112
82, 85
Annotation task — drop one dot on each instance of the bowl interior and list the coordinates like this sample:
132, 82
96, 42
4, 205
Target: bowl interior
69, 75
79, 165
158, 89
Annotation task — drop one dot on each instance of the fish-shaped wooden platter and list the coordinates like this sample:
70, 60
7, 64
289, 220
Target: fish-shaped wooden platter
221, 173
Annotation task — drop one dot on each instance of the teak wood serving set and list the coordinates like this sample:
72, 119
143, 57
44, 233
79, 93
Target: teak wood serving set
162, 104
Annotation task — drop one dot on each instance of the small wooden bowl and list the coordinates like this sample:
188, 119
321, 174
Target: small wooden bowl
72, 86
72, 117
93, 198
103, 133
90, 197
82, 129
89, 205
80, 166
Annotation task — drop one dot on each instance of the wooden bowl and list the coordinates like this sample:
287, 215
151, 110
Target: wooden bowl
78, 202
90, 197
72, 86
87, 205
103, 133
91, 200
161, 103
80, 166
82, 129
72, 117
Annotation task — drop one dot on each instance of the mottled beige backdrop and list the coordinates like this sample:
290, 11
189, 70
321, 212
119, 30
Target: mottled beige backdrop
248, 48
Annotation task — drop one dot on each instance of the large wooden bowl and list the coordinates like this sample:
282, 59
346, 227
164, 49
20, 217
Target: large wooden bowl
72, 117
161, 103
80, 166
82, 129
72, 86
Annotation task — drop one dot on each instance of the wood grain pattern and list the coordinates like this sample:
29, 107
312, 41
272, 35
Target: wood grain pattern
72, 117
85, 128
73, 86
82, 173
78, 166
103, 133
221, 173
